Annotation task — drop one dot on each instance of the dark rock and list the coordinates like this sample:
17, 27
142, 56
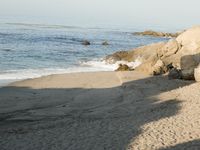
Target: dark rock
86, 42
188, 74
174, 74
123, 67
170, 66
105, 43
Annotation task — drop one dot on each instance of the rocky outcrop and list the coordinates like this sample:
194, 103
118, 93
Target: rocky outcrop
123, 67
86, 42
182, 53
157, 34
144, 53
153, 66
105, 43
117, 56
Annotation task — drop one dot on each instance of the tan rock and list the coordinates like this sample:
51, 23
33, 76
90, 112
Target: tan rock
190, 36
143, 52
169, 48
159, 68
183, 53
117, 56
197, 74
153, 66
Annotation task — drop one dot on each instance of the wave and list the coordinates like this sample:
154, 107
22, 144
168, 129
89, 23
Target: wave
95, 65
103, 64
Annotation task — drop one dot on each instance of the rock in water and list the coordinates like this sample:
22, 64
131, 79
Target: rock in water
86, 42
157, 34
123, 67
197, 74
105, 43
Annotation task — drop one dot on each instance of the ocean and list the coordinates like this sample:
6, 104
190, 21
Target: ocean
35, 50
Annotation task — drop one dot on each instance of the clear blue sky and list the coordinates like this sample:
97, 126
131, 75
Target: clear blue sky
121, 13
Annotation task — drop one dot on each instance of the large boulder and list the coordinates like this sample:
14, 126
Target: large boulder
187, 74
170, 48
153, 66
188, 56
175, 74
185, 54
190, 37
143, 52
117, 56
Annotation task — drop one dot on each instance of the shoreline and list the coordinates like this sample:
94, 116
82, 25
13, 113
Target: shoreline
149, 108
7, 82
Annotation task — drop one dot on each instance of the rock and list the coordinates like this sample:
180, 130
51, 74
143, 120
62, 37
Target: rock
170, 48
174, 74
197, 74
170, 66
123, 67
118, 56
143, 53
157, 34
187, 56
187, 74
180, 56
188, 62
190, 37
105, 43
159, 68
86, 42
154, 66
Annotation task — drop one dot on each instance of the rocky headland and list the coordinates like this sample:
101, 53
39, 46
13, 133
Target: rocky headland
157, 34
179, 57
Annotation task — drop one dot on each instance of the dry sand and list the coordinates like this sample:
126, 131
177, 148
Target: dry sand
102, 110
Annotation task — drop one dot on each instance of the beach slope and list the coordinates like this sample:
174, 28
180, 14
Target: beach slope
101, 110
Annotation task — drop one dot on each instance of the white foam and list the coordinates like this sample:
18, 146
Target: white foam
89, 66
103, 65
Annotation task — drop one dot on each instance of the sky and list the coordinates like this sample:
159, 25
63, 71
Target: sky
119, 13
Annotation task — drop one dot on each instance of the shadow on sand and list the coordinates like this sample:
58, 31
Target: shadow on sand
87, 119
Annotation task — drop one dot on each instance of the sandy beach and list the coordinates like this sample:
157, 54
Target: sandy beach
100, 110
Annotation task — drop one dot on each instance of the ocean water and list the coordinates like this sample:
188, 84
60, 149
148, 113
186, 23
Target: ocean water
33, 50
